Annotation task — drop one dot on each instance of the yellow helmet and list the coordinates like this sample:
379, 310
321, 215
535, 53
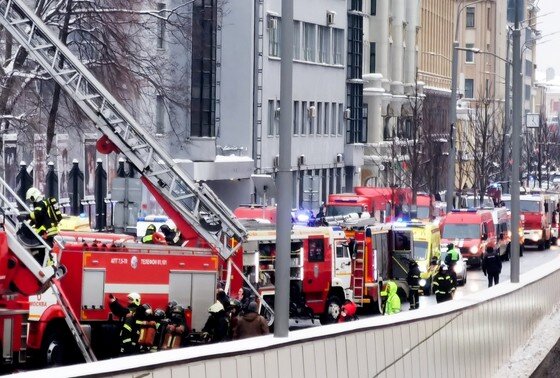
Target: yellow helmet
33, 194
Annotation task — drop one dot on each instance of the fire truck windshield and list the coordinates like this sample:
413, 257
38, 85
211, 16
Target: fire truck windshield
343, 210
461, 231
529, 206
420, 250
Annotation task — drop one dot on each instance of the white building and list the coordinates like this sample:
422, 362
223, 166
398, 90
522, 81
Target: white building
250, 92
390, 56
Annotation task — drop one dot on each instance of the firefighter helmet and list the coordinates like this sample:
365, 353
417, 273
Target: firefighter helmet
159, 313
150, 229
215, 308
134, 298
178, 310
147, 309
165, 229
34, 195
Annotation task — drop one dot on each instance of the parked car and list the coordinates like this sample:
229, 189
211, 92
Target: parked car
460, 268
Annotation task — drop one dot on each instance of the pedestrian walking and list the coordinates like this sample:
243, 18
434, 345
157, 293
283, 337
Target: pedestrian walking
492, 266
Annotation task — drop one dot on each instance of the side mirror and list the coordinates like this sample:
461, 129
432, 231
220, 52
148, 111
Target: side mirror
484, 237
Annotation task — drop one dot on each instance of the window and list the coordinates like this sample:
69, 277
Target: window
297, 40
527, 92
274, 33
469, 55
160, 25
333, 119
160, 111
372, 57
271, 117
470, 17
304, 117
338, 45
373, 10
316, 250
309, 42
296, 117
469, 88
528, 68
324, 44
326, 119
340, 119
319, 117
311, 120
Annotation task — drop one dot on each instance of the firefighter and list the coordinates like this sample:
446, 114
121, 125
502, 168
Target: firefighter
443, 285
153, 237
161, 325
216, 328
413, 280
347, 312
45, 215
147, 328
176, 329
451, 260
128, 315
172, 236
393, 302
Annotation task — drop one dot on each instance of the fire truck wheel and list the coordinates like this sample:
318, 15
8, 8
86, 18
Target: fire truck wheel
57, 348
332, 310
541, 245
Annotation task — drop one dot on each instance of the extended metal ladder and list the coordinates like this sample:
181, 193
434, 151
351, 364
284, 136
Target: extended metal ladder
358, 273
195, 202
44, 272
73, 323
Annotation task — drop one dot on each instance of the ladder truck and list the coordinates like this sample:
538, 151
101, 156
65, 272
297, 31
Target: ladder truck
198, 213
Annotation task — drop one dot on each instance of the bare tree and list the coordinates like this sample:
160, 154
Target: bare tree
485, 143
119, 41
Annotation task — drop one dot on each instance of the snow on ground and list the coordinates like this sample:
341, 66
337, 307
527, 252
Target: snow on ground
527, 357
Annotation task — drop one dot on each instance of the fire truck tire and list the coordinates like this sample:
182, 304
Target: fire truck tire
332, 310
541, 246
58, 348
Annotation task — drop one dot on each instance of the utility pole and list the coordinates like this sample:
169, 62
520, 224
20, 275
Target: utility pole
507, 123
516, 140
450, 192
284, 181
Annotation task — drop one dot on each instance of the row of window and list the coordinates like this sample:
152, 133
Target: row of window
312, 43
309, 118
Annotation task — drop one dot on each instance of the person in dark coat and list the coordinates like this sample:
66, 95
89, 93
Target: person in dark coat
250, 324
217, 326
413, 280
492, 266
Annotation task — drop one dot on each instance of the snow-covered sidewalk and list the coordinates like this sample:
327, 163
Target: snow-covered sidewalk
528, 357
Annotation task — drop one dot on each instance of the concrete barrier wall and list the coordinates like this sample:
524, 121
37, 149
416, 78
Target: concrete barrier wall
468, 337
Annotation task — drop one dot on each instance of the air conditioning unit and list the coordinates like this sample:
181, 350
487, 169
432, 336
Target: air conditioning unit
276, 161
339, 158
347, 113
301, 160
312, 111
277, 113
272, 22
330, 18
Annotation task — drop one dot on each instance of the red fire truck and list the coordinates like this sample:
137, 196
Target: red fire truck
537, 210
210, 228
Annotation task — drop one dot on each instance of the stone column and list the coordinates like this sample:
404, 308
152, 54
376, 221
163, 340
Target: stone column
397, 49
382, 37
373, 94
410, 61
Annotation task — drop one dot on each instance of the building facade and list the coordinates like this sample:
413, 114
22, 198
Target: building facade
250, 92
390, 87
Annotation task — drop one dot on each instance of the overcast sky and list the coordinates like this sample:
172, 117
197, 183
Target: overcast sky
548, 49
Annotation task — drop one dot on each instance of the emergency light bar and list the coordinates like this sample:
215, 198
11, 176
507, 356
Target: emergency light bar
464, 210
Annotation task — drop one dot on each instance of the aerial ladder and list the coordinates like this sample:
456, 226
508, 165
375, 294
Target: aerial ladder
198, 213
196, 210
23, 271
